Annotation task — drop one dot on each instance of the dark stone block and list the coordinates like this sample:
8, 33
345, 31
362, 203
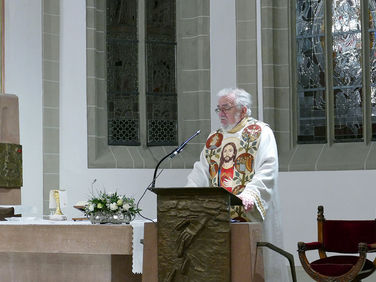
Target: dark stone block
10, 165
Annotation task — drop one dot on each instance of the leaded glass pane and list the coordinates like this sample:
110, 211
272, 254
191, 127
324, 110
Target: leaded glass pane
312, 121
122, 72
309, 17
161, 72
123, 120
310, 71
121, 67
161, 20
347, 70
372, 62
162, 120
161, 69
373, 114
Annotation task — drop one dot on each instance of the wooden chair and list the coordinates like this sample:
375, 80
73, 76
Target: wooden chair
341, 237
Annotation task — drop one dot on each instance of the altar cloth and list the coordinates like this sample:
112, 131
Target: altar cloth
138, 247
39, 221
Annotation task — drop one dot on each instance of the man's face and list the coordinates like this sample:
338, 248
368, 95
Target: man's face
229, 113
228, 153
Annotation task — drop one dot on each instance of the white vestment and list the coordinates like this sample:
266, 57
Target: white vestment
262, 188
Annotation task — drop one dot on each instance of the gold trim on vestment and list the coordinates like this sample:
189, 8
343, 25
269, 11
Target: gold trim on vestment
239, 126
259, 203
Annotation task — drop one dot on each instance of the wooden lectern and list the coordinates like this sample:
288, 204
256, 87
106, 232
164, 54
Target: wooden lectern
194, 240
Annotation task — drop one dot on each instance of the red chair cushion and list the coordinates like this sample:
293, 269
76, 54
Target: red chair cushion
338, 265
343, 236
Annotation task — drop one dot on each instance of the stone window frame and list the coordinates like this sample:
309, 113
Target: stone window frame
193, 85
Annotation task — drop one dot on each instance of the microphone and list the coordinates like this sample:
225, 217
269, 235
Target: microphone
173, 154
181, 147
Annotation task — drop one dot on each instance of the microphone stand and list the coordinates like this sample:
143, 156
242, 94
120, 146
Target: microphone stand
172, 154
156, 168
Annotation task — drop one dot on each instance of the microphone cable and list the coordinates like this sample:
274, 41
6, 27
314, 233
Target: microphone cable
143, 194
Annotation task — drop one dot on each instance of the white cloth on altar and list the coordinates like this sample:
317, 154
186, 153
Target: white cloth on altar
39, 221
138, 247
264, 184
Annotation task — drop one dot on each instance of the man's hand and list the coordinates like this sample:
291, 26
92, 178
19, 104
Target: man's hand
247, 200
228, 182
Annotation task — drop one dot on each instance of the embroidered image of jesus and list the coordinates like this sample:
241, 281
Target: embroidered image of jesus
226, 166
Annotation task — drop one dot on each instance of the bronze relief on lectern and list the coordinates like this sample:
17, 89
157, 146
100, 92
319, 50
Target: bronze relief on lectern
193, 238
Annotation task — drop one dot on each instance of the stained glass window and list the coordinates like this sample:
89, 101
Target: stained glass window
372, 40
122, 41
122, 72
310, 71
346, 70
161, 98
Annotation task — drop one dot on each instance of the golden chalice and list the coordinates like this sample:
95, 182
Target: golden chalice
57, 201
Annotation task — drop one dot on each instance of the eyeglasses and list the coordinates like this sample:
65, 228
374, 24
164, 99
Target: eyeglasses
224, 109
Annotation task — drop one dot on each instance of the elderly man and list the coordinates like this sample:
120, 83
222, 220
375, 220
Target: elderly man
248, 168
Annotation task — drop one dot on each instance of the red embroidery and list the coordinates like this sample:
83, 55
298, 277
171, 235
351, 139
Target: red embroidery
214, 141
226, 174
251, 133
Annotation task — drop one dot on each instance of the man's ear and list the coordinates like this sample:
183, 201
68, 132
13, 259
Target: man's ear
243, 112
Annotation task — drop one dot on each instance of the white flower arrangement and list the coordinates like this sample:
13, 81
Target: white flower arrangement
111, 205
